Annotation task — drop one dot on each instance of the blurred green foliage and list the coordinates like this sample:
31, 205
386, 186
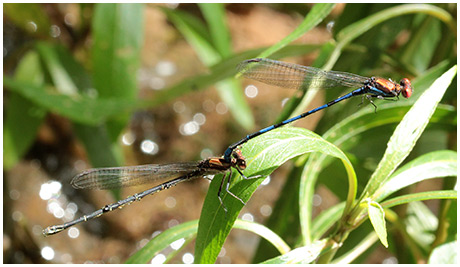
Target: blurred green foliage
98, 93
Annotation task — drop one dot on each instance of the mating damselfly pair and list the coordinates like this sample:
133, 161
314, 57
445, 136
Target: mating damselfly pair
269, 71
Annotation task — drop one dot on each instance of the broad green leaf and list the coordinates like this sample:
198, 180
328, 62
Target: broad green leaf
97, 145
421, 196
83, 109
423, 41
30, 17
196, 34
325, 220
346, 134
71, 79
264, 232
188, 231
218, 72
302, 255
284, 218
211, 52
420, 224
90, 110
444, 254
408, 131
163, 240
377, 218
431, 165
117, 33
317, 14
359, 249
264, 154
230, 92
351, 32
66, 73
314, 17
214, 13
356, 29
55, 59
23, 117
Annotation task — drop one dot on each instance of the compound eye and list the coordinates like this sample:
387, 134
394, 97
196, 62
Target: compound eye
406, 87
241, 164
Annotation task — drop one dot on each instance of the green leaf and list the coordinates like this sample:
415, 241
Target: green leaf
408, 131
66, 73
222, 70
196, 35
118, 31
71, 79
325, 220
353, 31
423, 82
350, 131
90, 110
346, 134
23, 118
444, 254
158, 243
229, 89
363, 246
307, 186
302, 255
423, 41
97, 145
230, 92
214, 13
284, 218
264, 232
314, 17
80, 108
188, 230
264, 154
377, 217
431, 165
421, 196
420, 224
56, 58
29, 17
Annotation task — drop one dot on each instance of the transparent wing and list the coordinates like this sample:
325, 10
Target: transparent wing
296, 76
118, 177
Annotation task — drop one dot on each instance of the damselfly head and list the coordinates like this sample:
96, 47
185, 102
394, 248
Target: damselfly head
238, 159
406, 87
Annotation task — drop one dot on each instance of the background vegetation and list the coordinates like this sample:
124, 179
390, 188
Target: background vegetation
82, 80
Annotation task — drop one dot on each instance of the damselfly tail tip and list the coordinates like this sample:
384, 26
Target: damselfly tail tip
51, 230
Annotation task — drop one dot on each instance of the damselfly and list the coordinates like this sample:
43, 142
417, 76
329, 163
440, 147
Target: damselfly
295, 76
117, 177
